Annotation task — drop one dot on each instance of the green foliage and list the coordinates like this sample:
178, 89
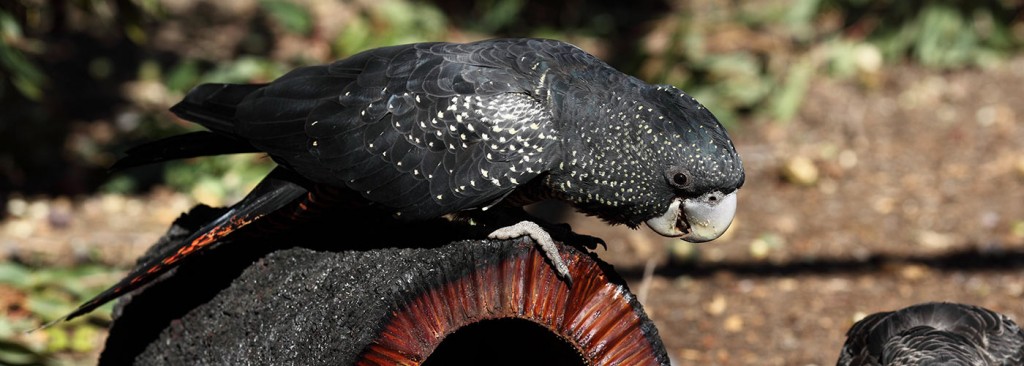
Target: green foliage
55, 290
940, 34
120, 184
799, 18
17, 354
183, 76
50, 293
732, 81
391, 22
218, 179
294, 17
758, 58
241, 70
15, 275
14, 65
497, 14
785, 103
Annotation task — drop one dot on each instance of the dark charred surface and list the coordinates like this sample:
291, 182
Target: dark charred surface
293, 299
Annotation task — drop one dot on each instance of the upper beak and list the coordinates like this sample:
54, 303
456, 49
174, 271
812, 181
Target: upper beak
708, 216
697, 220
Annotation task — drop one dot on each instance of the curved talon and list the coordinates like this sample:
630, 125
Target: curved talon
543, 239
595, 242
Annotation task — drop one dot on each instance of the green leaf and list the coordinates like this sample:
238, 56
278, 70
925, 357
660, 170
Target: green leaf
9, 27
83, 281
149, 70
786, 102
27, 88
293, 17
738, 79
244, 69
15, 274
48, 307
183, 76
24, 75
842, 60
58, 339
16, 354
121, 184
941, 37
353, 38
497, 14
800, 17
83, 339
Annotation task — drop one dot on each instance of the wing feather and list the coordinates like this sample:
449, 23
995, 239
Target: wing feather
461, 124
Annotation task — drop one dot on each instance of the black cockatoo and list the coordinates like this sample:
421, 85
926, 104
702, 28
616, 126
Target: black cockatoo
934, 334
433, 129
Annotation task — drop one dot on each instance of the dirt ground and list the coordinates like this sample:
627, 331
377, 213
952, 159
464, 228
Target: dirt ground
906, 189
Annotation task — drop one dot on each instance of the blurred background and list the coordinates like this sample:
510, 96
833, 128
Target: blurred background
882, 141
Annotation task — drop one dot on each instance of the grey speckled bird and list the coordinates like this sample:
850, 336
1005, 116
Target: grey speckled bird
934, 334
441, 129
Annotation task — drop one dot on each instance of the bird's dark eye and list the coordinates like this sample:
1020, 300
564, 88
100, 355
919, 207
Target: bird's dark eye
678, 177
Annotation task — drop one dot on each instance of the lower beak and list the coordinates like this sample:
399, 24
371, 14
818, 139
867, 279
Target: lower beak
697, 220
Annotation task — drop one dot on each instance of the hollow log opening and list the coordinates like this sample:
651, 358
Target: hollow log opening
502, 342
597, 316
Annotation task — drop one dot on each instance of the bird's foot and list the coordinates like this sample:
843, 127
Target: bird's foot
531, 229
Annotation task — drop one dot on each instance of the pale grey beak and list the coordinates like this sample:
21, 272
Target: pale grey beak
709, 215
697, 220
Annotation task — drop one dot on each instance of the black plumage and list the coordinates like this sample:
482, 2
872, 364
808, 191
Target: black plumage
433, 129
934, 333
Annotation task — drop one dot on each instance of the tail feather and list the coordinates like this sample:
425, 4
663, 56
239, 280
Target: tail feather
214, 105
211, 105
189, 145
275, 192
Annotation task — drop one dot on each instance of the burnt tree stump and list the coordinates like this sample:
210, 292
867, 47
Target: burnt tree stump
419, 293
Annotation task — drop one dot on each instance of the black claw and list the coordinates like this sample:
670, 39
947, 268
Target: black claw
563, 232
587, 241
562, 226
